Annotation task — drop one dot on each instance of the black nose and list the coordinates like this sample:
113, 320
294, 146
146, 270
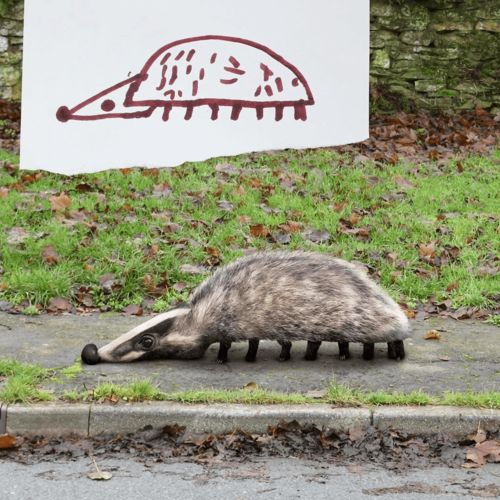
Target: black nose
90, 356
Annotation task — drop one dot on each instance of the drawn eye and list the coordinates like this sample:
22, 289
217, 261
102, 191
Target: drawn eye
147, 342
108, 105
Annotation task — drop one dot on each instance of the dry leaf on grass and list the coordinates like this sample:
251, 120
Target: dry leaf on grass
17, 235
50, 256
60, 203
259, 230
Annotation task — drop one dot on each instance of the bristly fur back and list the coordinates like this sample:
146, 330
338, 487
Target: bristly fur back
293, 296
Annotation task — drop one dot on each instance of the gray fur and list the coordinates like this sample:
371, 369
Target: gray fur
283, 296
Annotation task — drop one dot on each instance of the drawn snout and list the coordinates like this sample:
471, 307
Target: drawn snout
110, 103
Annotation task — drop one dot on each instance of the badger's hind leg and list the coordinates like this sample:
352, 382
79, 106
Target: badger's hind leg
312, 350
253, 347
286, 346
368, 351
396, 350
224, 347
344, 351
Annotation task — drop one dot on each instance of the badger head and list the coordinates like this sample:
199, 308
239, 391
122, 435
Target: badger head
167, 335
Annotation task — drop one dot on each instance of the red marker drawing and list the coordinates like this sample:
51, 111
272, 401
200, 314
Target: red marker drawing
214, 71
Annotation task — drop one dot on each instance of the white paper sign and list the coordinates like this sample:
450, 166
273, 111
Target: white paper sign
121, 83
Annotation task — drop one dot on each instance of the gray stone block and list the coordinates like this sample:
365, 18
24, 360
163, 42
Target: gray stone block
48, 419
221, 418
436, 419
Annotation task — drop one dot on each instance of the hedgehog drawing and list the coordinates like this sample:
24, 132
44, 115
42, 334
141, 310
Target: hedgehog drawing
213, 71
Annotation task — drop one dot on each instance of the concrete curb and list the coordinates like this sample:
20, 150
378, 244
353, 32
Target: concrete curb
222, 418
92, 419
429, 420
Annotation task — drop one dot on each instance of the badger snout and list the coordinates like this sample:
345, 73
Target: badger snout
90, 355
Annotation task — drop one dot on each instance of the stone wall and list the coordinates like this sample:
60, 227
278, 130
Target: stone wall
435, 54
11, 46
425, 54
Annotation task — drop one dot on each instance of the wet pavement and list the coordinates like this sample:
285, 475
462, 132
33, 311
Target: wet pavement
270, 478
465, 358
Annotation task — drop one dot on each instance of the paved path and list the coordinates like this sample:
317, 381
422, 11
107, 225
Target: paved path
272, 478
472, 347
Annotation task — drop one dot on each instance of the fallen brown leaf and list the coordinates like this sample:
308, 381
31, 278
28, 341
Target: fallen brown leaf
133, 310
251, 386
58, 304
480, 435
50, 256
17, 235
316, 236
60, 203
7, 442
427, 251
432, 335
356, 433
259, 231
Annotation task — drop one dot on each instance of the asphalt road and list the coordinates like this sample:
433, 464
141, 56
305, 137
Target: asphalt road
288, 478
465, 358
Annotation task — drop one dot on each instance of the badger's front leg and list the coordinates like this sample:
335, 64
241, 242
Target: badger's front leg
224, 347
396, 350
368, 351
253, 347
344, 350
286, 346
312, 350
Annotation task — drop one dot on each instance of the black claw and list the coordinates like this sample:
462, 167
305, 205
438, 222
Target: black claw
344, 351
368, 351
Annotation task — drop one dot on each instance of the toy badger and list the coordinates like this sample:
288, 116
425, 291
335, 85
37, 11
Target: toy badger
282, 296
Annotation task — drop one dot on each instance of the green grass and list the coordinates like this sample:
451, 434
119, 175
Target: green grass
139, 390
493, 319
72, 371
472, 399
23, 381
115, 220
242, 396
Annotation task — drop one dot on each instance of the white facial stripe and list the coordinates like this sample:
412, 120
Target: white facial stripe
131, 356
107, 349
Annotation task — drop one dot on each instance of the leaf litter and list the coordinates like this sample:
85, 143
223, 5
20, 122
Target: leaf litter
418, 137
396, 451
